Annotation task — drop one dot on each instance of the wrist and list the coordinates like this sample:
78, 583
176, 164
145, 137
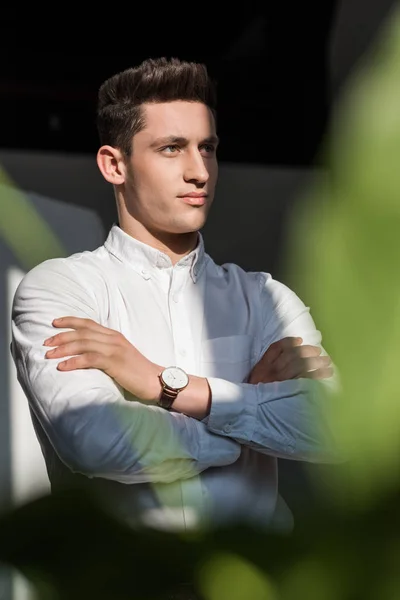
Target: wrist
195, 399
154, 384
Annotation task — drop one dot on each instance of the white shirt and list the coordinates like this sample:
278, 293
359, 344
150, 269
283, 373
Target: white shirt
159, 467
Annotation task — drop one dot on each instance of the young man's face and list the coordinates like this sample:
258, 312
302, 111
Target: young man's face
172, 157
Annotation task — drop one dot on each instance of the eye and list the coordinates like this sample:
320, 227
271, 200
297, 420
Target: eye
171, 149
208, 148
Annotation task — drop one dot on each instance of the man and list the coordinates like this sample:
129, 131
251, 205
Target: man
162, 381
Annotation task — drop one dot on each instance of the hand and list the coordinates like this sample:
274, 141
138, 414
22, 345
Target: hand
93, 346
288, 359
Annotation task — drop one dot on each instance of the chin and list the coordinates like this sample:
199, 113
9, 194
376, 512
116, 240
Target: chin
199, 224
187, 230
189, 226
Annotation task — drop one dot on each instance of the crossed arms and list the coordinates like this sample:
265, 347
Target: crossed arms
95, 431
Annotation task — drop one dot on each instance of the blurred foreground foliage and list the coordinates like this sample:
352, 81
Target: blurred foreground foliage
71, 548
344, 262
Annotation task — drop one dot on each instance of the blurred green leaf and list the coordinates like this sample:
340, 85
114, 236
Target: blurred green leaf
230, 576
23, 229
344, 259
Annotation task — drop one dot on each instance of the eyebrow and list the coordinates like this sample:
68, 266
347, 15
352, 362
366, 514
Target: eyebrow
173, 139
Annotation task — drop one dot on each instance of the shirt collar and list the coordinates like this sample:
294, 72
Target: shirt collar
145, 259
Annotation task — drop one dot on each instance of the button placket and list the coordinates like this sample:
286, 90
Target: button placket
145, 274
177, 284
180, 321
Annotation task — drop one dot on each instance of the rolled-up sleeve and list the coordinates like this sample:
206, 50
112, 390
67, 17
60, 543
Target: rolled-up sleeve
84, 414
287, 419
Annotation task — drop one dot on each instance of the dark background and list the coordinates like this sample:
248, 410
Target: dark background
278, 66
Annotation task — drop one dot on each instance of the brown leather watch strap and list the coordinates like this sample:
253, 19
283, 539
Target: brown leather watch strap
167, 397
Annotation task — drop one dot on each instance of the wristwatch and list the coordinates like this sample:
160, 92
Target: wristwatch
173, 380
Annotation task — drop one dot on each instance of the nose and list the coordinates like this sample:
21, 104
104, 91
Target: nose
195, 168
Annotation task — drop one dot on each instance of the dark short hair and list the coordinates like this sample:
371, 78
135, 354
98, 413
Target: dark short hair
120, 98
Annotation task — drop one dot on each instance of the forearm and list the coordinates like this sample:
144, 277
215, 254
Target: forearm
286, 419
98, 433
195, 399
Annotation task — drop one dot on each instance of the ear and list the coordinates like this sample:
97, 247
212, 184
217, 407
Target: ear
111, 164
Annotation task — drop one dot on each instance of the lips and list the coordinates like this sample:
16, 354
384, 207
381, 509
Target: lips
194, 198
194, 195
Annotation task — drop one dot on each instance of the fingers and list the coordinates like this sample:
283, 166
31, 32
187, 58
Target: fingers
288, 359
296, 355
69, 336
324, 373
308, 351
82, 346
305, 367
319, 362
79, 323
280, 346
284, 359
295, 365
90, 360
286, 343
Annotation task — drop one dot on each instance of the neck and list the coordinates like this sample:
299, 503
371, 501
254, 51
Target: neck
175, 245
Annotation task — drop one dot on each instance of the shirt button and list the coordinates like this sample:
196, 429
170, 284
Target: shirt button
182, 351
175, 297
227, 428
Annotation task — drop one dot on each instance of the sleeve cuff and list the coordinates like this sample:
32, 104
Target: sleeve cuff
233, 409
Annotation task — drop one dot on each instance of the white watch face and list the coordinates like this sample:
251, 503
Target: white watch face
175, 377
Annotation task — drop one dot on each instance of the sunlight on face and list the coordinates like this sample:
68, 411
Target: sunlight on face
174, 155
